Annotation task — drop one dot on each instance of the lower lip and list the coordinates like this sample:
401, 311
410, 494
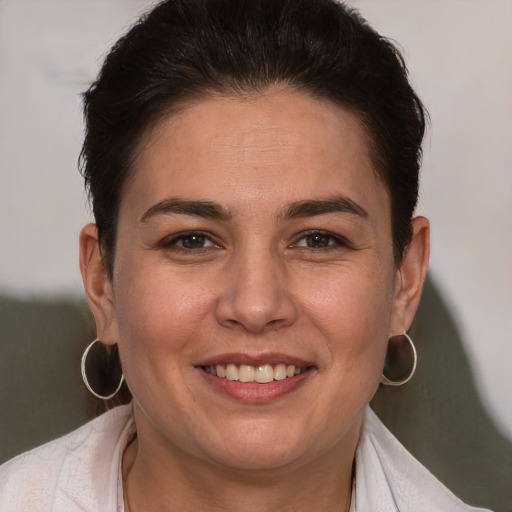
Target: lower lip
253, 391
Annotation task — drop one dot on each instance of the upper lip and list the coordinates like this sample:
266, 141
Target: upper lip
255, 359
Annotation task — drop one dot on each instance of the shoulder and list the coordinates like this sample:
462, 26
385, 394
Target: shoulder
389, 477
64, 474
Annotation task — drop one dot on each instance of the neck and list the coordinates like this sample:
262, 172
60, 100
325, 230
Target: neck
165, 481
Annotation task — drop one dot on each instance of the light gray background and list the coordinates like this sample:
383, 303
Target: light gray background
459, 54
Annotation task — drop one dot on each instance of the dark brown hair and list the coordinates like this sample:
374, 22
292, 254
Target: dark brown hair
186, 49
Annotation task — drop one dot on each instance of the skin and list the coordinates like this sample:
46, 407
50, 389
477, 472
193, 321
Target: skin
260, 283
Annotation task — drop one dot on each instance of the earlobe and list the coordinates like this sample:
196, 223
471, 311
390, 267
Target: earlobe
97, 285
411, 276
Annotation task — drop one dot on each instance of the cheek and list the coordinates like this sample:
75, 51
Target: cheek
353, 311
156, 317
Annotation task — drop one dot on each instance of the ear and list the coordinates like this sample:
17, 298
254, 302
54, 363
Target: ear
98, 286
410, 277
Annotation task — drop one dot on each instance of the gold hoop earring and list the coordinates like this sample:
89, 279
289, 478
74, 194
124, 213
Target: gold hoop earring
101, 370
401, 359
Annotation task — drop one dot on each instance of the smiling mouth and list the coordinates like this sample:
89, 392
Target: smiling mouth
262, 374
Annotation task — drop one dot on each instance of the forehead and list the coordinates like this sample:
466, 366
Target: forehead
259, 149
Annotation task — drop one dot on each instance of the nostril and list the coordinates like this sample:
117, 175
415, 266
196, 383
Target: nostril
255, 319
255, 298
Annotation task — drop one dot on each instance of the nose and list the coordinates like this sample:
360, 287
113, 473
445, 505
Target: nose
255, 296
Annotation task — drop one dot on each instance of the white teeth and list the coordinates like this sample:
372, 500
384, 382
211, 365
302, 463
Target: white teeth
246, 373
280, 371
262, 374
231, 372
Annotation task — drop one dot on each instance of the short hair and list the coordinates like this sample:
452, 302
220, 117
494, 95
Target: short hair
187, 49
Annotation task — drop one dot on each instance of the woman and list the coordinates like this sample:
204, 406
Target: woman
253, 170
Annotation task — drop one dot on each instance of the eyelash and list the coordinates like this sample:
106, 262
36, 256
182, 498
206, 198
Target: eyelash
339, 241
334, 241
172, 243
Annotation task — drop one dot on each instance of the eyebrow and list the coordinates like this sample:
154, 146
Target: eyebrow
312, 207
204, 209
211, 210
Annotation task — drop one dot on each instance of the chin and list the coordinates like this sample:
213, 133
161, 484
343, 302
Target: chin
262, 459
253, 448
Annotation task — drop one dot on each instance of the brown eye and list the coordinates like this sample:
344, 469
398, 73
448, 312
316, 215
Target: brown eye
321, 240
193, 241
317, 240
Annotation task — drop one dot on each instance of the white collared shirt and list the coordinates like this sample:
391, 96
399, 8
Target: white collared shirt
82, 472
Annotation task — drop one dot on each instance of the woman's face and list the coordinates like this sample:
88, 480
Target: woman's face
254, 238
